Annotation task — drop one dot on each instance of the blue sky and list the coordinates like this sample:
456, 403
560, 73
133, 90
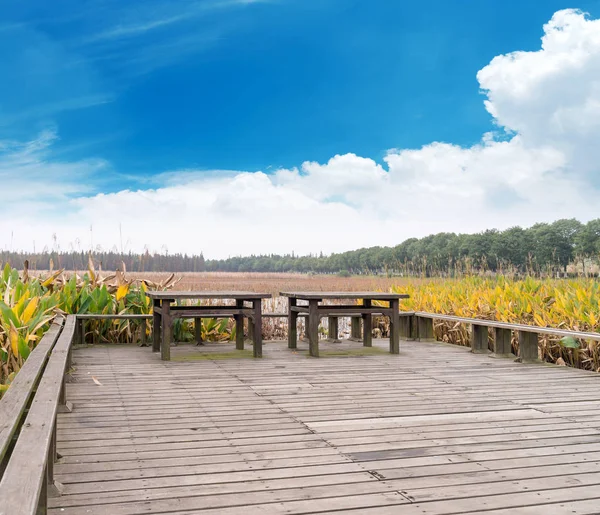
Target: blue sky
146, 94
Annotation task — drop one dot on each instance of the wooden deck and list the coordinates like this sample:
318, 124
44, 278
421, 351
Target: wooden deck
435, 430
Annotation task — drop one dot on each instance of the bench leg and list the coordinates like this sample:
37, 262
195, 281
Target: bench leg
367, 326
80, 331
239, 327
502, 343
395, 327
292, 325
251, 329
425, 329
143, 342
332, 330
167, 331
257, 328
198, 331
355, 329
313, 328
156, 327
479, 339
528, 347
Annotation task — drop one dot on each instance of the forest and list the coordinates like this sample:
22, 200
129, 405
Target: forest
544, 248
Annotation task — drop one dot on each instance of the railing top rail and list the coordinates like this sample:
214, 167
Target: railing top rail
17, 397
21, 484
516, 327
120, 316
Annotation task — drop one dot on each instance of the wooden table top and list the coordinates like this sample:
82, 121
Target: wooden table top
318, 295
172, 295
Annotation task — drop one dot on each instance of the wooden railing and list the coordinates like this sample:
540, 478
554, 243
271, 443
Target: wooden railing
28, 423
421, 328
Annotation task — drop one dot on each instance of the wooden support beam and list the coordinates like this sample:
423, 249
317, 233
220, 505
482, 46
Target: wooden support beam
425, 329
257, 328
156, 329
198, 331
251, 329
143, 342
239, 327
395, 327
355, 329
167, 331
332, 329
502, 343
528, 347
313, 328
479, 339
292, 326
367, 325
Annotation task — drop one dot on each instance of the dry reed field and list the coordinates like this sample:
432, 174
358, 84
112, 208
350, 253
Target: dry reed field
271, 283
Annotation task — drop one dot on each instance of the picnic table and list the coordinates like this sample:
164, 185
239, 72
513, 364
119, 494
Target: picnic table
315, 310
164, 311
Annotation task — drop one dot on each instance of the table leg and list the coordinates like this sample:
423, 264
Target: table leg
239, 326
257, 328
395, 326
367, 325
313, 328
167, 331
156, 326
292, 325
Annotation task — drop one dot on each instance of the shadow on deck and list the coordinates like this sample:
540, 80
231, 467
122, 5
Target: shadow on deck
436, 430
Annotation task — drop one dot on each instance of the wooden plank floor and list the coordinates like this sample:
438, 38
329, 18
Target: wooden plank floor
436, 430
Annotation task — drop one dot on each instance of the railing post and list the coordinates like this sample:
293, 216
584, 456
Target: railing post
166, 330
355, 329
414, 327
528, 347
332, 329
367, 319
502, 343
425, 329
479, 339
257, 340
143, 342
292, 324
80, 332
156, 326
239, 327
51, 488
198, 330
251, 329
64, 406
42, 507
395, 326
406, 323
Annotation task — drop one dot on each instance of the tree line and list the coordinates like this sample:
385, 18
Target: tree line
542, 248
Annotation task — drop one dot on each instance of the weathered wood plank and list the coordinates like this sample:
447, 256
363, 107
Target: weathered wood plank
174, 295
293, 434
15, 400
24, 480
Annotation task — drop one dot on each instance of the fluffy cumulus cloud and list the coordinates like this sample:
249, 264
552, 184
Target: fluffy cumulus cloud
542, 163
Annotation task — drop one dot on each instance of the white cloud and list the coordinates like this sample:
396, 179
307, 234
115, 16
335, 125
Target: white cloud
547, 168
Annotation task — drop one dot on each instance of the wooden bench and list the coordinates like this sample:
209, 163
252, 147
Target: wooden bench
421, 328
28, 436
332, 324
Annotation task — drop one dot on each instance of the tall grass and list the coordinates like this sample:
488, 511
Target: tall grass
565, 304
29, 304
